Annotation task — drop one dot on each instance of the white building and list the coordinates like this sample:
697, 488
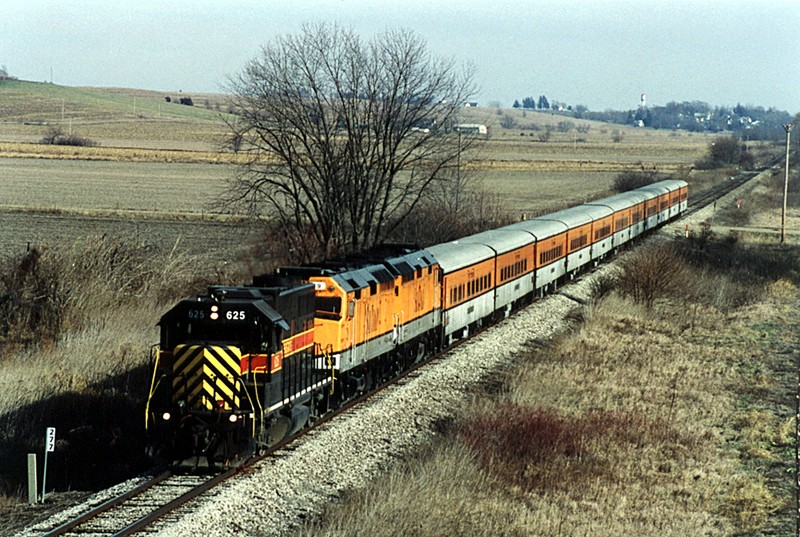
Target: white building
472, 128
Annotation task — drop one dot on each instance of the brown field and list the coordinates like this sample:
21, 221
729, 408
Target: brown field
148, 169
46, 201
156, 159
167, 189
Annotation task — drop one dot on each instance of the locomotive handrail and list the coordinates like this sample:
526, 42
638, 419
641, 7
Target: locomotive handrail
240, 384
153, 384
329, 357
258, 401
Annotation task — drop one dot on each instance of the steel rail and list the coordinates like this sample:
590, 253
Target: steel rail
107, 506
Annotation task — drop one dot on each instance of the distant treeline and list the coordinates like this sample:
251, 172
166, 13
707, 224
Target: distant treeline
751, 122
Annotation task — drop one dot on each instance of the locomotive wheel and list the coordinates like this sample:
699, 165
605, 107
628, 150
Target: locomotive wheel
278, 430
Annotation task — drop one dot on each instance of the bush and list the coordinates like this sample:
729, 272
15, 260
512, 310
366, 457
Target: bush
31, 301
651, 272
48, 290
731, 274
508, 122
539, 449
631, 179
726, 151
56, 136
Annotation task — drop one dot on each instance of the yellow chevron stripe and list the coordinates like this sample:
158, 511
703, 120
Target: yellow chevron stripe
184, 355
213, 384
212, 389
232, 356
213, 375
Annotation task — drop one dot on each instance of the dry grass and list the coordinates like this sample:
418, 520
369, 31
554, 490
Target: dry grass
115, 154
77, 323
445, 492
61, 289
96, 368
81, 386
616, 429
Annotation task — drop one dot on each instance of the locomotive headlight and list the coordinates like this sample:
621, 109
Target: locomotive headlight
233, 418
214, 312
166, 416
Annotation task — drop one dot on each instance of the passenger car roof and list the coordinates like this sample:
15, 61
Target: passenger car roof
456, 255
500, 240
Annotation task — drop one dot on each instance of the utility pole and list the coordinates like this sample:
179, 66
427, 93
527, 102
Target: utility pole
788, 128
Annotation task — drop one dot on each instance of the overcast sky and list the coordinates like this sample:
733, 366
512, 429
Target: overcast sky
600, 53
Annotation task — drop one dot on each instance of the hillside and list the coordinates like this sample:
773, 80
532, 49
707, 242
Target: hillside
125, 118
35, 102
112, 116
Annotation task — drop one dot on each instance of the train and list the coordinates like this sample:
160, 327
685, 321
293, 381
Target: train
240, 368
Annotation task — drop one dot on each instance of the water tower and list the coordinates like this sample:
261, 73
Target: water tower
643, 101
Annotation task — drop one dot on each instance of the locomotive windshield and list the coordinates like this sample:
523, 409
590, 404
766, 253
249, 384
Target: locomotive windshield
329, 307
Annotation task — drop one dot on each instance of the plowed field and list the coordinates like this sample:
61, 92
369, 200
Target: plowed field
50, 201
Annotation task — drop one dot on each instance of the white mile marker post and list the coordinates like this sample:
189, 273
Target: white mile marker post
49, 447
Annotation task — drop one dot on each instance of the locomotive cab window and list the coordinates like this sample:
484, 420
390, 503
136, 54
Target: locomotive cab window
329, 307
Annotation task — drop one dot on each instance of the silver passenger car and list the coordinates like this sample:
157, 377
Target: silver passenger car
544, 232
621, 202
452, 257
502, 241
573, 218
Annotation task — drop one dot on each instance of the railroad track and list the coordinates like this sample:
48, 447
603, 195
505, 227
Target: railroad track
702, 199
125, 513
135, 510
698, 200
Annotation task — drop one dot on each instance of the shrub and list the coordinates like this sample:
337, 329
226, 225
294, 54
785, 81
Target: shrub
651, 272
731, 274
508, 122
48, 290
565, 126
539, 449
726, 151
31, 301
52, 134
56, 136
631, 179
602, 286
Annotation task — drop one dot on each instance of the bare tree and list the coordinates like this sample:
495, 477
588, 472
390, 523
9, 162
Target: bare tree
344, 136
455, 206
